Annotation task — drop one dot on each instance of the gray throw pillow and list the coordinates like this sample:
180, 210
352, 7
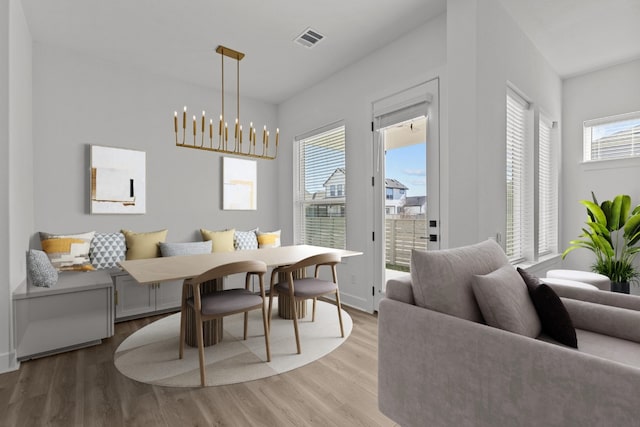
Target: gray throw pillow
441, 280
189, 248
41, 271
504, 301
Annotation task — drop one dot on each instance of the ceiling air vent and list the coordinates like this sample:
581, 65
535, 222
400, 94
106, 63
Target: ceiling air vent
309, 38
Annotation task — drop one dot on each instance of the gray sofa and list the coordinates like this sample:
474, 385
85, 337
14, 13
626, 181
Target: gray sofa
441, 365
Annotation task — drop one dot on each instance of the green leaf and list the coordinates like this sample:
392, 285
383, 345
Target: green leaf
632, 225
606, 207
619, 212
596, 211
598, 228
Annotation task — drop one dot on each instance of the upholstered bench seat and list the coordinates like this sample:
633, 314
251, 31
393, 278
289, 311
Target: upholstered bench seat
600, 281
566, 282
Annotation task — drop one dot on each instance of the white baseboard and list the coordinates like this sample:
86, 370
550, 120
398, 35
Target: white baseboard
8, 362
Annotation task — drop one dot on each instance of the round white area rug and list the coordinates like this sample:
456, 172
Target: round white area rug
150, 355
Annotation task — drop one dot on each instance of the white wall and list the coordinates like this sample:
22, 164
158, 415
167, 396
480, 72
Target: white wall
611, 91
21, 146
348, 96
16, 185
80, 101
485, 50
5, 282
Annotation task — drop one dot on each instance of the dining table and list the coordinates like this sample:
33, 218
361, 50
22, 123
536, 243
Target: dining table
165, 269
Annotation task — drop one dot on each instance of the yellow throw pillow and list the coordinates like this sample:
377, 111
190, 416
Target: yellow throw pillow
221, 241
143, 245
269, 239
68, 252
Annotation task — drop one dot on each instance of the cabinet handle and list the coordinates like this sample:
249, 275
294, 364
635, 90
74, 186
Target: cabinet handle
115, 296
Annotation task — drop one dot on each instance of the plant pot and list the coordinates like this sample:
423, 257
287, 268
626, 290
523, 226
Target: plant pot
622, 287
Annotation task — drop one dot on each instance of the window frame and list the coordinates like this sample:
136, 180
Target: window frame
534, 235
330, 202
608, 154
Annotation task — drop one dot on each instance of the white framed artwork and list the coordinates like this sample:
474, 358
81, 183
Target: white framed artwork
239, 184
118, 181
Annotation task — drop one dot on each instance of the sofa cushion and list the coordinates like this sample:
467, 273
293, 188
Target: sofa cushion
107, 249
41, 271
605, 346
188, 248
68, 252
144, 245
221, 241
504, 301
554, 317
441, 280
245, 240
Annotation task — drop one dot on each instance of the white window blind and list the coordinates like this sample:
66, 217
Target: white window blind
613, 137
547, 189
320, 194
516, 144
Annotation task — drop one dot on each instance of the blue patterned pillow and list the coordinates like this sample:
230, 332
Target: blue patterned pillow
40, 269
107, 249
245, 240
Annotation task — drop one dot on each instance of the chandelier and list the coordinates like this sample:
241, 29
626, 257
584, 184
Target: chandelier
219, 138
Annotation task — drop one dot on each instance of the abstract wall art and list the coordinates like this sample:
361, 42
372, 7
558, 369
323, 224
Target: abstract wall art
239, 184
117, 181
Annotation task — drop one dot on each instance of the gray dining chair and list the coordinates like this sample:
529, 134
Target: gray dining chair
218, 304
300, 288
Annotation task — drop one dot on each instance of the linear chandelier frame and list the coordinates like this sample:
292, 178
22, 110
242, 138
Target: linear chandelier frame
223, 129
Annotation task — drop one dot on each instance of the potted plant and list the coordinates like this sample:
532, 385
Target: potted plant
612, 232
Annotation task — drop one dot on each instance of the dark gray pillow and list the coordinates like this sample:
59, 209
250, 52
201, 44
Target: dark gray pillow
554, 317
189, 248
40, 269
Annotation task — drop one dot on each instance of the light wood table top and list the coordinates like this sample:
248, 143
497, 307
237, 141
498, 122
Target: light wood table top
161, 269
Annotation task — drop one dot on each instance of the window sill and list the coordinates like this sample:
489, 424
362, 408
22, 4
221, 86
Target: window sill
630, 162
544, 263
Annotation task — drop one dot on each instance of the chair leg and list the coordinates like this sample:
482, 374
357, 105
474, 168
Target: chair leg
246, 319
313, 312
271, 292
200, 348
295, 322
183, 315
339, 312
266, 332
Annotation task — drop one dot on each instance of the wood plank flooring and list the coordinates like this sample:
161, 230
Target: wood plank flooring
83, 388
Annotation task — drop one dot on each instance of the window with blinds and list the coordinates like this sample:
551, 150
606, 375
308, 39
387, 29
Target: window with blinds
320, 198
516, 145
547, 189
615, 137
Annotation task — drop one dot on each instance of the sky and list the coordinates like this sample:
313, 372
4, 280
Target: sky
408, 165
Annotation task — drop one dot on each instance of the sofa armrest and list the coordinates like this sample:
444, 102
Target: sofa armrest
604, 319
439, 370
613, 299
399, 289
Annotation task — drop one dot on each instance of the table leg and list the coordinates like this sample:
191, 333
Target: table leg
211, 329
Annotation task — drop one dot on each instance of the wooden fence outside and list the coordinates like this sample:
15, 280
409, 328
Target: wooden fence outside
403, 235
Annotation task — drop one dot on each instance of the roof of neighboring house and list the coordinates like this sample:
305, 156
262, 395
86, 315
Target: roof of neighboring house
392, 183
338, 170
416, 201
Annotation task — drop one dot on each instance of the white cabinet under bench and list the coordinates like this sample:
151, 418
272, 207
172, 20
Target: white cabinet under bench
134, 300
76, 312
